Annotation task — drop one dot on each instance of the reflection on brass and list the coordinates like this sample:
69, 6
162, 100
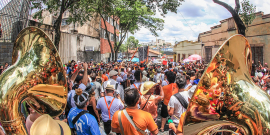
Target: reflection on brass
36, 78
226, 100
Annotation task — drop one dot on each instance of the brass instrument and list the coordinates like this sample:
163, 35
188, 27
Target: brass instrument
36, 78
226, 99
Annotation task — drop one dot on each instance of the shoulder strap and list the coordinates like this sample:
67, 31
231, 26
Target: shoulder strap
78, 116
120, 123
146, 101
132, 123
181, 99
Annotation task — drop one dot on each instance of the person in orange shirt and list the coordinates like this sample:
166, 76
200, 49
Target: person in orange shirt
149, 102
142, 120
105, 78
168, 90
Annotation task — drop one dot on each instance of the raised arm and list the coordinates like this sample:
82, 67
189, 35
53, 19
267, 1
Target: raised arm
73, 77
85, 77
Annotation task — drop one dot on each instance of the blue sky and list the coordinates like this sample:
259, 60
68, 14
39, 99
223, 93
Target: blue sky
200, 15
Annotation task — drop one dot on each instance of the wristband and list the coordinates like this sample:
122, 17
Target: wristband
170, 121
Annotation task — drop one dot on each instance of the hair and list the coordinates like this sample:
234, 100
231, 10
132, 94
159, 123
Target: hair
171, 77
93, 76
89, 72
180, 81
131, 97
138, 75
122, 69
81, 72
109, 91
81, 99
187, 77
170, 65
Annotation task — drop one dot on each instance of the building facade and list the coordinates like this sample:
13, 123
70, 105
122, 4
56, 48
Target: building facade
184, 49
13, 18
87, 35
258, 35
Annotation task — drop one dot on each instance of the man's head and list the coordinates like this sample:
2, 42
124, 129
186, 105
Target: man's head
136, 68
110, 89
138, 75
180, 81
78, 79
171, 77
81, 99
132, 97
93, 76
113, 74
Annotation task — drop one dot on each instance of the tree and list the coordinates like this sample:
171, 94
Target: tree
57, 7
246, 9
132, 42
131, 14
247, 12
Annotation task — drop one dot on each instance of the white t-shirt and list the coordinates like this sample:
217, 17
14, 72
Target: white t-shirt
178, 108
116, 105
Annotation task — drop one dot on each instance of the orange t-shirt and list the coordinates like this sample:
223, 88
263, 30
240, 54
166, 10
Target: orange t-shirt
105, 78
143, 120
169, 90
181, 122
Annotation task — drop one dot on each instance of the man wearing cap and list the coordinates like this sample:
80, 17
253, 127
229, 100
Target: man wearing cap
80, 82
79, 118
112, 81
175, 108
108, 106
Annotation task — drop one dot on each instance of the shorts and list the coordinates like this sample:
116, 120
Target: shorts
164, 111
107, 126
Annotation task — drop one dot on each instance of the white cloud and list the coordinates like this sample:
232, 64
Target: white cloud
200, 15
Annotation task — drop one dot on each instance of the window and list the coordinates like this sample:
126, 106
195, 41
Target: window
111, 21
105, 35
101, 33
112, 36
64, 22
257, 54
208, 54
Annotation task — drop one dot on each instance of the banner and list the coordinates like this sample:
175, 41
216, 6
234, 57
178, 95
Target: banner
143, 53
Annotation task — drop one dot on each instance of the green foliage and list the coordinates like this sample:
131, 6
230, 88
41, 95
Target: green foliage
132, 42
247, 12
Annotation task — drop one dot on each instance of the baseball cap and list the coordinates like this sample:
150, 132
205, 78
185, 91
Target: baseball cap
113, 73
80, 94
46, 125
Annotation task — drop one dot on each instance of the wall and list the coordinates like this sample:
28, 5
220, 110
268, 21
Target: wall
187, 48
258, 34
6, 52
87, 56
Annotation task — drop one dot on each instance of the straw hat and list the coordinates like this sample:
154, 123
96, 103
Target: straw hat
46, 125
147, 86
110, 87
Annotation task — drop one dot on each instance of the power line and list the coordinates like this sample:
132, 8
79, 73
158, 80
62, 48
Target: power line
187, 23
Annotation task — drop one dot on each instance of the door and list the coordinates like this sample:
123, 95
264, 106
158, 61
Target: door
178, 59
208, 54
257, 54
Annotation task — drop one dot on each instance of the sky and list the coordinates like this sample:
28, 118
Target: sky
192, 18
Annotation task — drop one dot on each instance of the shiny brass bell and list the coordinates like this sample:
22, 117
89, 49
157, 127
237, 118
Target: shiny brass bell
36, 78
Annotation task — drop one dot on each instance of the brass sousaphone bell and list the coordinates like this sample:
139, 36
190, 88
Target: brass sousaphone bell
226, 100
36, 79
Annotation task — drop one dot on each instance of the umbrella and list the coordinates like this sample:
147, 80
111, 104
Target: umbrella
186, 60
135, 60
194, 57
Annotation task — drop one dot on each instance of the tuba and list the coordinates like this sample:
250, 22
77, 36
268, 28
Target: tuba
226, 100
36, 79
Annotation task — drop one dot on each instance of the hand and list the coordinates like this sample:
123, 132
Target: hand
64, 120
118, 96
79, 67
85, 66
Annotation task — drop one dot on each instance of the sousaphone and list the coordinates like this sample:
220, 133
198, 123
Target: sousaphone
36, 79
226, 100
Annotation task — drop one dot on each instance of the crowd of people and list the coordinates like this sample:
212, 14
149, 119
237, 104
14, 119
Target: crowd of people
124, 98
